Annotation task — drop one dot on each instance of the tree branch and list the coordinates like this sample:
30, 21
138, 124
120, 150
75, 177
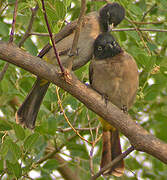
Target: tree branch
77, 32
5, 68
140, 29
13, 22
114, 162
51, 37
2, 73
64, 169
145, 14
27, 33
140, 139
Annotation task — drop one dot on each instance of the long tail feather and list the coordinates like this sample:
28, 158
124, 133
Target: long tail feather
112, 149
27, 112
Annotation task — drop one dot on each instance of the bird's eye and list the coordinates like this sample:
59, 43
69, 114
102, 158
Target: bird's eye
99, 48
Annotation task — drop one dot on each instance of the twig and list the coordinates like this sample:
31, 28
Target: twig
77, 32
64, 169
78, 129
145, 23
27, 177
92, 149
121, 29
38, 34
148, 11
114, 162
66, 118
2, 73
1, 11
49, 155
3, 137
140, 29
13, 22
51, 37
27, 33
141, 36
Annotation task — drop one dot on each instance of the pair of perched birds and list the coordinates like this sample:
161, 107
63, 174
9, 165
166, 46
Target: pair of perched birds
112, 72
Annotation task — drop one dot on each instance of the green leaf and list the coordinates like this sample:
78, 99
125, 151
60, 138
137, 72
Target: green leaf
30, 141
30, 46
17, 170
19, 131
10, 150
4, 29
51, 164
14, 152
5, 125
151, 46
135, 9
4, 148
15, 149
14, 168
1, 165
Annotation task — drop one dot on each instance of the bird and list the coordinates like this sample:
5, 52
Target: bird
93, 23
113, 73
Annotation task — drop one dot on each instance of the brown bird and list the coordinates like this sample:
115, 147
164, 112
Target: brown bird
114, 74
92, 25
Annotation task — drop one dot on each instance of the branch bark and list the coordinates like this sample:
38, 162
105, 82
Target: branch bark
64, 169
140, 139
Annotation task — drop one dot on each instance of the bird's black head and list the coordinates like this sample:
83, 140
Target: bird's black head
111, 14
106, 46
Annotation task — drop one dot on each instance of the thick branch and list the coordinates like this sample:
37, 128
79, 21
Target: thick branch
139, 138
114, 162
64, 169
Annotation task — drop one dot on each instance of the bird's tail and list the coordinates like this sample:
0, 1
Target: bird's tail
27, 112
110, 150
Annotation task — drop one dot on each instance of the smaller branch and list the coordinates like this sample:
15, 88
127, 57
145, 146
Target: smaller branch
145, 14
2, 73
92, 149
3, 137
121, 29
5, 68
78, 129
51, 37
64, 169
27, 33
14, 22
2, 10
141, 37
77, 32
38, 34
27, 177
145, 23
51, 154
66, 118
114, 162
140, 29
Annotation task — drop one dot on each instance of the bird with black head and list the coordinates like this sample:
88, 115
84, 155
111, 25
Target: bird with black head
114, 74
93, 24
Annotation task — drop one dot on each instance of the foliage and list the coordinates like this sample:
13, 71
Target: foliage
20, 149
